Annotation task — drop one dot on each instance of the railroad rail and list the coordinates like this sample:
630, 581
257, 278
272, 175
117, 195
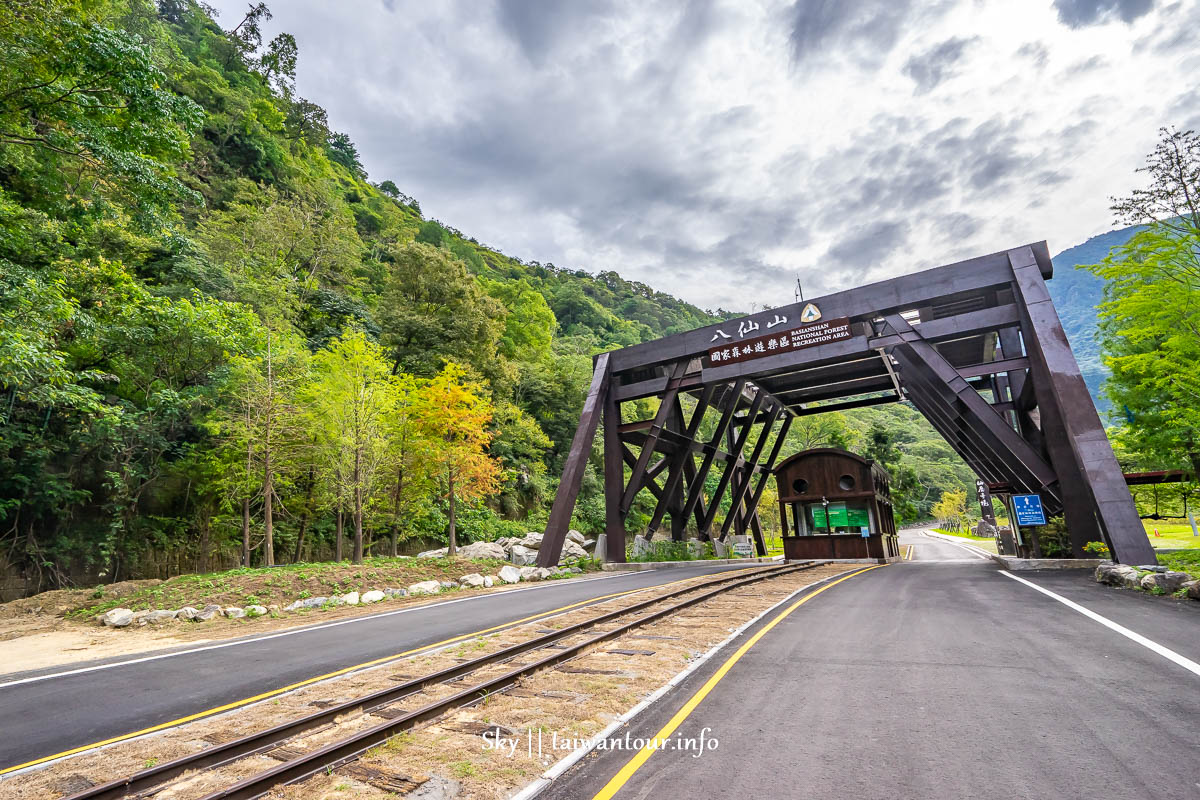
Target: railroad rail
336, 754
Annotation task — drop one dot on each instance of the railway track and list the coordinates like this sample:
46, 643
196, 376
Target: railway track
301, 765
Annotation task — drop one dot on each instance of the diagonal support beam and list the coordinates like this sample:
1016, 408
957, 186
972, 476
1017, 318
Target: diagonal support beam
664, 410
735, 461
695, 492
745, 475
581, 447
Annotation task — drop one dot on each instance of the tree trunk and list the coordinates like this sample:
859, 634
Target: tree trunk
338, 556
308, 496
395, 536
268, 517
450, 482
246, 532
358, 508
300, 537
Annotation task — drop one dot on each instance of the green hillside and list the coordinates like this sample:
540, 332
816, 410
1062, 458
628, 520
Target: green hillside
1076, 295
186, 248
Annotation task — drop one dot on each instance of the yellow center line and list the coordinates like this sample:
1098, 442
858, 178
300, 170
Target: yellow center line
308, 681
622, 777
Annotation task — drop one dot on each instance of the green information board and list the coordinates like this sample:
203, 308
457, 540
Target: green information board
818, 514
858, 518
837, 515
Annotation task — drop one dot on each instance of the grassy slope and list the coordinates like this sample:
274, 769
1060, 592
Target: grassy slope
282, 585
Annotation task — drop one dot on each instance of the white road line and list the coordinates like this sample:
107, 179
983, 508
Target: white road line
1165, 652
975, 551
305, 629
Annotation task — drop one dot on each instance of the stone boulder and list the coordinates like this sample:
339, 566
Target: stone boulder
534, 573
187, 612
576, 537
1193, 589
522, 555
1116, 574
509, 574
373, 596
572, 552
210, 611
588, 544
441, 551
483, 550
449, 584
1168, 582
532, 540
472, 581
425, 587
117, 618
256, 611
507, 542
235, 612
349, 599
489, 581
395, 592
308, 602
159, 617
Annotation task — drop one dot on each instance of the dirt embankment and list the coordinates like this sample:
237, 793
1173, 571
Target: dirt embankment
59, 627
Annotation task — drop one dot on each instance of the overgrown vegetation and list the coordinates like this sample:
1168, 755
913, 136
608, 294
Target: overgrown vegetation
222, 344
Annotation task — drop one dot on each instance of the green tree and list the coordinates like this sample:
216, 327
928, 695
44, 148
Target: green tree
1150, 320
349, 404
433, 311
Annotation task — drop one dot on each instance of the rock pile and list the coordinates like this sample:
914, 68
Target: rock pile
124, 617
1148, 579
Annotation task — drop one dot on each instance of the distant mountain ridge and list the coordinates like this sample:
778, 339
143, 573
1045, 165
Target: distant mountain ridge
1076, 294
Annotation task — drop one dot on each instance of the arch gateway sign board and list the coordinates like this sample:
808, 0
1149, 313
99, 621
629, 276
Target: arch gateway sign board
977, 347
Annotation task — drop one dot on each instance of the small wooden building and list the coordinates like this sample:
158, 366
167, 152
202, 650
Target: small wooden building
835, 504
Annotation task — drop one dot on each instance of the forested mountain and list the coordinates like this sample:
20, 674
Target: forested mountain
1077, 293
192, 261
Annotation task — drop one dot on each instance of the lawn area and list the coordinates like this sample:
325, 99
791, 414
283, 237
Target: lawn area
963, 535
1181, 561
1171, 533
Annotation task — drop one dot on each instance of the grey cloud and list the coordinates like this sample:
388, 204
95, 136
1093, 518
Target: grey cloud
555, 140
866, 29
1081, 13
1086, 65
957, 225
937, 63
537, 25
868, 244
1037, 52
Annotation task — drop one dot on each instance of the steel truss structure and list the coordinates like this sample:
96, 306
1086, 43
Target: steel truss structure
977, 347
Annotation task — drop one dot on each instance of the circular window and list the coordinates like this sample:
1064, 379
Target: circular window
846, 483
800, 486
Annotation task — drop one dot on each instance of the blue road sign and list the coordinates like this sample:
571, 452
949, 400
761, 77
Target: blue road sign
1029, 509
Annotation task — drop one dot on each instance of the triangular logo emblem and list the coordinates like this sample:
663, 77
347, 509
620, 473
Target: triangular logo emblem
810, 313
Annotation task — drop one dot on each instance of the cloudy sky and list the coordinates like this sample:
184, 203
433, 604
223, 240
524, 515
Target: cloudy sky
716, 149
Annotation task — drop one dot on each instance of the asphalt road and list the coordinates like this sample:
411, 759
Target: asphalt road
935, 679
70, 708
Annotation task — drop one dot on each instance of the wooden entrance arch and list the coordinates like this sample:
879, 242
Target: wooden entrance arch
977, 347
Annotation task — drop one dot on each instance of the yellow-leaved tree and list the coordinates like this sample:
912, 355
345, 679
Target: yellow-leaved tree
454, 415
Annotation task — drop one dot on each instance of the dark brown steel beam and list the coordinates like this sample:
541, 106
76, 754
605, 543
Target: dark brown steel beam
864, 403
738, 489
675, 475
581, 447
1061, 386
664, 408
739, 442
696, 485
907, 291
